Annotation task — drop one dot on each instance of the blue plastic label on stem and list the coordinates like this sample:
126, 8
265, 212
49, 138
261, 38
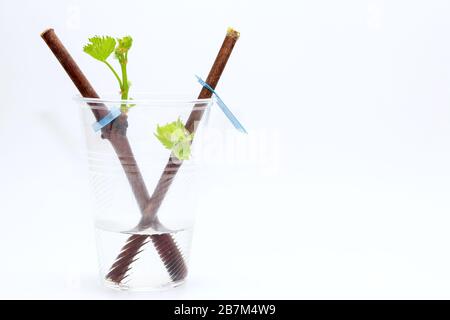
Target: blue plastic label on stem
113, 114
223, 106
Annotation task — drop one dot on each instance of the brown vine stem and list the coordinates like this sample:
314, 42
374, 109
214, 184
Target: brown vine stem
115, 133
149, 218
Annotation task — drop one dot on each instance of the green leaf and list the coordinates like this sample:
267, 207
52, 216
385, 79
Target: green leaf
100, 48
182, 150
176, 138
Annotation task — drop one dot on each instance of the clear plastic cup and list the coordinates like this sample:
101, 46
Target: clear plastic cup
137, 249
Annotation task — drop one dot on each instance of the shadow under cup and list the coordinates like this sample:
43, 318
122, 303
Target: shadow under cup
136, 250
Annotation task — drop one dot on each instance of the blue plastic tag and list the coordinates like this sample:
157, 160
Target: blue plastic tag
113, 114
223, 106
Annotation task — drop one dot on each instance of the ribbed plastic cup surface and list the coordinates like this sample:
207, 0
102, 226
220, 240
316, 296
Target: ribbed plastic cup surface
115, 210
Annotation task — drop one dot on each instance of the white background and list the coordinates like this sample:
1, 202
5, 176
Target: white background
347, 199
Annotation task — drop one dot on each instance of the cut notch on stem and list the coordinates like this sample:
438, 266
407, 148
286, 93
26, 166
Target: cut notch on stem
233, 33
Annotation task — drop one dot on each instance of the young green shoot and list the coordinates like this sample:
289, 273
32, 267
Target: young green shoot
176, 138
174, 135
101, 48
